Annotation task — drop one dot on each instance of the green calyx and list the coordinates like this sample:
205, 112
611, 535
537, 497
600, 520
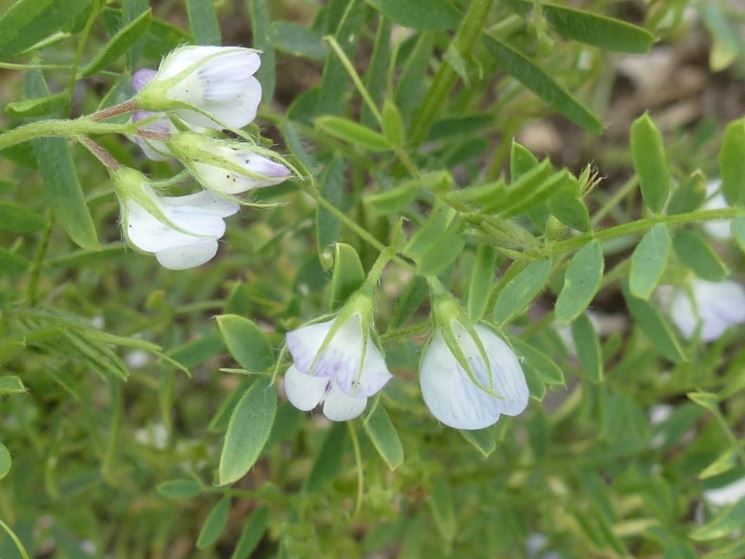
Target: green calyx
448, 312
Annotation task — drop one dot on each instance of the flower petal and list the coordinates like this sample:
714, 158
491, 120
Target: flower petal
339, 406
148, 233
259, 172
184, 57
304, 392
509, 379
142, 77
716, 306
234, 105
304, 342
206, 202
374, 376
450, 394
192, 218
187, 256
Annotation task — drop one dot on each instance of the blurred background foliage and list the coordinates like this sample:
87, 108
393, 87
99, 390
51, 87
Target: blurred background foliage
608, 462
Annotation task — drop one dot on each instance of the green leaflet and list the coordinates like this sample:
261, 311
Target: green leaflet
262, 31
296, 40
589, 28
588, 348
521, 290
697, 254
203, 22
353, 133
28, 22
251, 534
482, 279
539, 82
60, 178
179, 489
246, 342
650, 162
649, 260
582, 281
420, 14
120, 43
214, 524
248, 430
732, 162
384, 437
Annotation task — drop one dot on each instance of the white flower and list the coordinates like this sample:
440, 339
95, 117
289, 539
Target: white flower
452, 396
712, 306
335, 363
182, 231
206, 86
720, 228
227, 167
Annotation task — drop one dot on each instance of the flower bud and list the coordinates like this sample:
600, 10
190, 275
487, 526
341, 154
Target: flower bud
227, 167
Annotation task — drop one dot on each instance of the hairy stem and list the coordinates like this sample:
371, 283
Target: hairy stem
58, 128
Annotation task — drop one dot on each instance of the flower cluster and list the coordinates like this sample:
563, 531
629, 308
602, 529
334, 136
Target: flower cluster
468, 375
196, 92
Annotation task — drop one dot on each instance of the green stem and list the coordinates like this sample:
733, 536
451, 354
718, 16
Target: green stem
358, 462
60, 129
351, 224
637, 226
445, 79
614, 200
16, 541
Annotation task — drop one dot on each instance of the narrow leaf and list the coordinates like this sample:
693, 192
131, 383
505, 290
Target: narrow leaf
245, 342
11, 384
119, 43
650, 162
521, 290
539, 82
5, 461
261, 33
203, 22
353, 133
732, 162
482, 279
179, 489
649, 260
698, 255
384, 437
251, 534
582, 281
655, 327
19, 219
248, 430
214, 524
420, 14
588, 348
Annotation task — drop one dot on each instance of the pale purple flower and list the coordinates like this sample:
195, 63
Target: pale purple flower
341, 372
712, 307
